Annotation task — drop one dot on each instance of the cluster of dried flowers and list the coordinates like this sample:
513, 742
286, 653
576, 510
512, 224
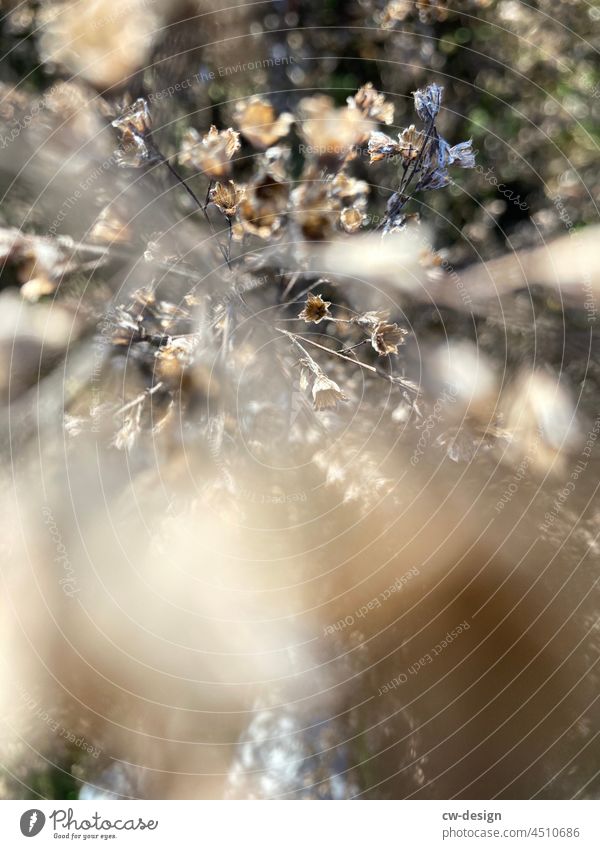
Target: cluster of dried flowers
425, 155
269, 220
269, 187
327, 199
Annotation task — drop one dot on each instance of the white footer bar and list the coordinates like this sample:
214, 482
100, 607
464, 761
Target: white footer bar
301, 825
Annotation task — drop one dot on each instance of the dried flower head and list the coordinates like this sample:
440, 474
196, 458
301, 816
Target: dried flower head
428, 101
370, 320
331, 133
274, 163
386, 338
262, 208
409, 145
210, 153
372, 104
429, 153
314, 210
349, 189
411, 142
227, 197
134, 128
257, 120
326, 393
315, 309
351, 219
99, 40
381, 146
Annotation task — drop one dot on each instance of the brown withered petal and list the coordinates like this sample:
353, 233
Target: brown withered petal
372, 104
210, 153
381, 146
411, 141
369, 320
262, 208
315, 310
314, 210
386, 338
326, 393
257, 120
227, 196
349, 189
351, 219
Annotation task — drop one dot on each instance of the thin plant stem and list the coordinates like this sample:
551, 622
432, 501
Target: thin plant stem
407, 384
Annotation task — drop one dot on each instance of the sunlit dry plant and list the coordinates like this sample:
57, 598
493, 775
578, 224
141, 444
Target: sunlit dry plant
259, 123
217, 345
211, 153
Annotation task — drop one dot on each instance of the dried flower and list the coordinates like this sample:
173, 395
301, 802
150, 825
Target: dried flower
381, 146
349, 189
134, 128
210, 153
274, 163
326, 393
263, 205
351, 219
410, 141
372, 104
370, 320
409, 144
101, 41
386, 338
462, 155
227, 197
315, 211
428, 150
315, 310
428, 101
331, 133
256, 119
